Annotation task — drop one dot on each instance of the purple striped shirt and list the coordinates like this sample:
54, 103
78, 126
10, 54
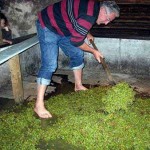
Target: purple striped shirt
72, 18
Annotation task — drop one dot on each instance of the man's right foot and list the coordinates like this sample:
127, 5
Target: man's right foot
80, 88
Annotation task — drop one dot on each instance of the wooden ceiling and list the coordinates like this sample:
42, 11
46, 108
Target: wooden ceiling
133, 1
133, 23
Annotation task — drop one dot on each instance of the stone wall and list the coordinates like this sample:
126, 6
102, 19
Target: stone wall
22, 14
122, 56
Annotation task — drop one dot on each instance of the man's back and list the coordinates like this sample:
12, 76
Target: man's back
70, 17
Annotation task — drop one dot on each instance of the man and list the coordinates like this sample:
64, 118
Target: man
66, 24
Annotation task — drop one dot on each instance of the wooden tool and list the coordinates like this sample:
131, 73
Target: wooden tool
105, 67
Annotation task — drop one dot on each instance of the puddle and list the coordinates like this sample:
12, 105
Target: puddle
46, 123
57, 144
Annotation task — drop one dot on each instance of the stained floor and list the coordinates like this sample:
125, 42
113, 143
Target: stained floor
63, 82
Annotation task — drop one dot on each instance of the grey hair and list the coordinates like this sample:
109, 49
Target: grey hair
111, 7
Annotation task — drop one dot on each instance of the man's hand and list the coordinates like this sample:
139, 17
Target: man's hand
97, 55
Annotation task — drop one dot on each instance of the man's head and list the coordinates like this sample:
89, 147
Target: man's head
109, 10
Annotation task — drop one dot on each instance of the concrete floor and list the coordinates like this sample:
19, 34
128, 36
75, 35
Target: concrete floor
140, 84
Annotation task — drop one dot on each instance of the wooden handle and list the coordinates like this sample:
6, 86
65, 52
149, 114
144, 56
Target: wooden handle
103, 64
95, 47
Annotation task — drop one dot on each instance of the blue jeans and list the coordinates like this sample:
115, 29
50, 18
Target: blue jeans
49, 44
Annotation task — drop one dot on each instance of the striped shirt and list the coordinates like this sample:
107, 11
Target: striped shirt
72, 18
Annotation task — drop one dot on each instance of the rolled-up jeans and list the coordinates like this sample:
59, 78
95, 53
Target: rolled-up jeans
49, 45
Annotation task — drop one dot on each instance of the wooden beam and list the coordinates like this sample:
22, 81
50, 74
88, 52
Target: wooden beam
17, 49
132, 1
16, 78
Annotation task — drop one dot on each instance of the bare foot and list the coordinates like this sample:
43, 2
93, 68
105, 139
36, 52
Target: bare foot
42, 112
80, 88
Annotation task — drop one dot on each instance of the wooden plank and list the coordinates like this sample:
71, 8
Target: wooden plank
17, 48
16, 79
125, 25
131, 1
121, 33
139, 18
132, 21
140, 10
18, 40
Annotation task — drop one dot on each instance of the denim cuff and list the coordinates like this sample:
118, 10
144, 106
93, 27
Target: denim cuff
78, 67
42, 81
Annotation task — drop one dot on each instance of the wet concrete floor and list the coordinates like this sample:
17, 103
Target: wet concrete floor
63, 82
